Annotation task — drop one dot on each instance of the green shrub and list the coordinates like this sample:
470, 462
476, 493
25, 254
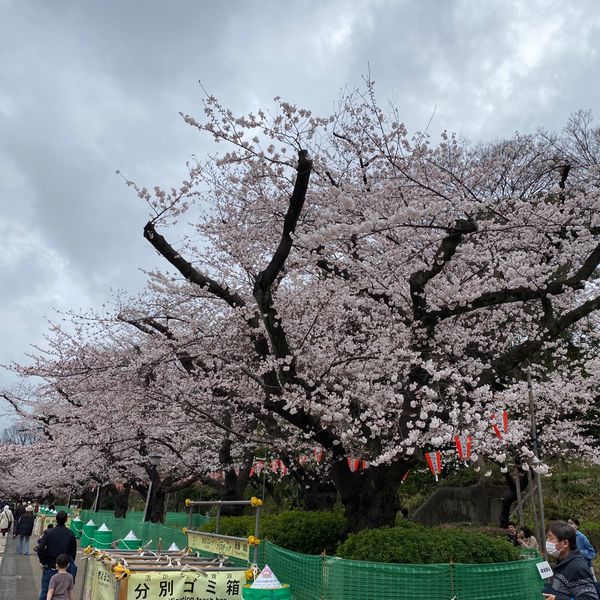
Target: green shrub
300, 531
305, 532
236, 526
421, 545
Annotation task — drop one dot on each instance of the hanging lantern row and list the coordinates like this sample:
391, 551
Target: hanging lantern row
464, 445
279, 467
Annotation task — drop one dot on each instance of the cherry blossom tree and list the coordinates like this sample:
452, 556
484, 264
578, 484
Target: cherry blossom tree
345, 288
375, 294
114, 388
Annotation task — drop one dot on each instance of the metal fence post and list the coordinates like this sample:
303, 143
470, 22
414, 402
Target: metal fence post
218, 518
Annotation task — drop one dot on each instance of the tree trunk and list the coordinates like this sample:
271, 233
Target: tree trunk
234, 486
370, 497
88, 496
315, 492
159, 493
120, 494
511, 496
158, 498
234, 483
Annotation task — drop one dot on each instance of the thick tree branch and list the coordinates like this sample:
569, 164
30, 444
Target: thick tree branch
446, 251
522, 293
266, 278
192, 274
504, 364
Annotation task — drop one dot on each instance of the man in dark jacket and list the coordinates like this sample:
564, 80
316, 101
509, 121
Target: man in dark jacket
24, 528
56, 541
572, 579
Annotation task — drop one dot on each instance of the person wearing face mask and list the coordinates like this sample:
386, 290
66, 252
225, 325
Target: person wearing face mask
572, 579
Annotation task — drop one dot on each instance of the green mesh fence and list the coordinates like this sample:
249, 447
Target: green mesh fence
366, 580
518, 580
330, 578
303, 572
169, 533
529, 552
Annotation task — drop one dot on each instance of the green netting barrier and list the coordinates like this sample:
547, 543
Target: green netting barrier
172, 519
303, 572
518, 580
330, 578
169, 533
529, 552
366, 580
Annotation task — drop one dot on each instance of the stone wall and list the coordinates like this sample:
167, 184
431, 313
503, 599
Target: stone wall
476, 504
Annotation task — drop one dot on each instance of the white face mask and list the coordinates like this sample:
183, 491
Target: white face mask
551, 549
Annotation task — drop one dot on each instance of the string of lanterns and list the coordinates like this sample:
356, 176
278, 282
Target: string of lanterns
463, 444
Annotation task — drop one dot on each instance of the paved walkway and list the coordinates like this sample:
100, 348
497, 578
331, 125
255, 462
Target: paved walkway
20, 575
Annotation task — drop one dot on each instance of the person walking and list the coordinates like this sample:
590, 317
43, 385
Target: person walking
24, 529
61, 584
6, 520
19, 510
56, 541
572, 578
583, 545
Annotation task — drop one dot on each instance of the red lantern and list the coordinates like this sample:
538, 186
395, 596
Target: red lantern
435, 466
353, 464
495, 427
463, 447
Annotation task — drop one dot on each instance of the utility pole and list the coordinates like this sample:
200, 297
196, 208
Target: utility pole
538, 479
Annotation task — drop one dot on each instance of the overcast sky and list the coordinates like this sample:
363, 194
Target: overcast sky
88, 87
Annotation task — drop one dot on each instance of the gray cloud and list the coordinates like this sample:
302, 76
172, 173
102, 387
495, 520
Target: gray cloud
89, 87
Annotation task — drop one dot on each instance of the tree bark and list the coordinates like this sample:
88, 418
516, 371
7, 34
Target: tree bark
233, 488
158, 498
120, 495
511, 496
317, 494
370, 497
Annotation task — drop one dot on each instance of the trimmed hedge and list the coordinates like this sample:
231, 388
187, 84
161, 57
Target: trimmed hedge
415, 544
300, 531
237, 526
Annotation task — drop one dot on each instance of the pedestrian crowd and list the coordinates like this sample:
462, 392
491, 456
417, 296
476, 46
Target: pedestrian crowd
56, 548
